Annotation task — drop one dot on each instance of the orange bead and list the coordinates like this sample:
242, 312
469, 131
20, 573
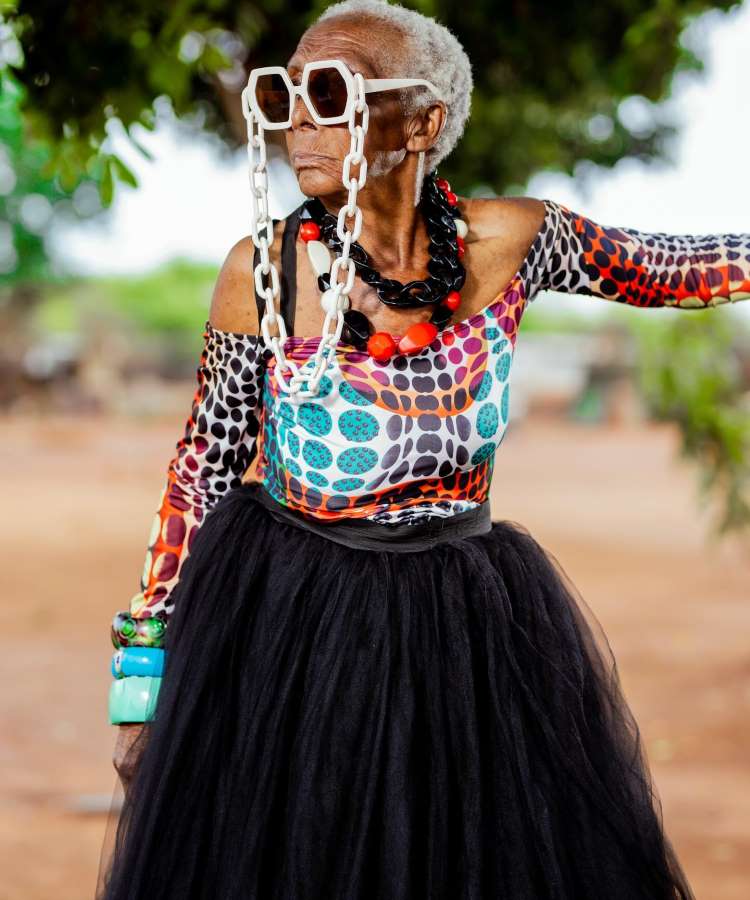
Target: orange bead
461, 247
309, 231
442, 184
452, 301
417, 337
381, 346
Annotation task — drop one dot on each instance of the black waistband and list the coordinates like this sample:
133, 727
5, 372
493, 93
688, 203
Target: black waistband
365, 534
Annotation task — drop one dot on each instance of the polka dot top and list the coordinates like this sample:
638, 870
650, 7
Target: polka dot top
417, 435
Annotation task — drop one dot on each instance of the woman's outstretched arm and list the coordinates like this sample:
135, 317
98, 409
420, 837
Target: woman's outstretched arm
645, 269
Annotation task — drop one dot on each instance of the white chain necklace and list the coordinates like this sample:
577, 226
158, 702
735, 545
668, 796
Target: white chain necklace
336, 299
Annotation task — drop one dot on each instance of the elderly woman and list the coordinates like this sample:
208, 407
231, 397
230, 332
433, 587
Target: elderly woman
356, 683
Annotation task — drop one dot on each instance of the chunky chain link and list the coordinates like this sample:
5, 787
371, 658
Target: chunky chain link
336, 299
266, 275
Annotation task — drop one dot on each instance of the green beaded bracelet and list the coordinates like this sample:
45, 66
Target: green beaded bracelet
148, 631
133, 699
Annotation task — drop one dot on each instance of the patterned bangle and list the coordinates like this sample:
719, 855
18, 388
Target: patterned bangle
148, 631
133, 699
137, 661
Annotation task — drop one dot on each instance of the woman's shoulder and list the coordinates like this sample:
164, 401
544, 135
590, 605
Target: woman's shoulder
233, 306
513, 220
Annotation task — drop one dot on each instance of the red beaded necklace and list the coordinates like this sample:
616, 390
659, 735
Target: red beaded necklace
382, 345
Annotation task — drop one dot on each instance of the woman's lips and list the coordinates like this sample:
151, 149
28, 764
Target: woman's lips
304, 160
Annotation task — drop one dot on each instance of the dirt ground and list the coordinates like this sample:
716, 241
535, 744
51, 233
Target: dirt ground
614, 505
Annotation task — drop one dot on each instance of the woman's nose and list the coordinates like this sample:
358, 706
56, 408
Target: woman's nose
300, 113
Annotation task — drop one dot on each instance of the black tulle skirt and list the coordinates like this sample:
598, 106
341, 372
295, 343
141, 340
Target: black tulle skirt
339, 723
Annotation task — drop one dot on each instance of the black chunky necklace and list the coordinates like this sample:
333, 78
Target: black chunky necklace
446, 271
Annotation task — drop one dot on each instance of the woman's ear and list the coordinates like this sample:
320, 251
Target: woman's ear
425, 127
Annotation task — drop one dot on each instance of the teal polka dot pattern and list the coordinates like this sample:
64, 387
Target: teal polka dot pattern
347, 484
286, 413
484, 388
353, 396
317, 478
502, 367
326, 386
357, 460
357, 425
316, 454
481, 453
504, 403
411, 425
315, 419
487, 420
293, 467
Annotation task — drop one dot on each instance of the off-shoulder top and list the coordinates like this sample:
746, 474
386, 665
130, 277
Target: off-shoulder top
415, 436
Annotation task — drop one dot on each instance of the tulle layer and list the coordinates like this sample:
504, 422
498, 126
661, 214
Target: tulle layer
341, 724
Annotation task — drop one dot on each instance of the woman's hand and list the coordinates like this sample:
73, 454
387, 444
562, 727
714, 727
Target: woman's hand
123, 759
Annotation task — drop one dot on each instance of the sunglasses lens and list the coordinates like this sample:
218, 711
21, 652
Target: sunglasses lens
272, 95
327, 91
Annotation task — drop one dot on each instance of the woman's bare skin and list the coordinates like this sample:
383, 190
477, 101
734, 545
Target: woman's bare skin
123, 760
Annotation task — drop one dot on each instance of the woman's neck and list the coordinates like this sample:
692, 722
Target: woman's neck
393, 229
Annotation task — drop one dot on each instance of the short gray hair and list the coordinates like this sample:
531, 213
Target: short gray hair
431, 51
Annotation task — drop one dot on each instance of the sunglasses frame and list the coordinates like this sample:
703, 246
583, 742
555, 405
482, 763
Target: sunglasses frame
371, 85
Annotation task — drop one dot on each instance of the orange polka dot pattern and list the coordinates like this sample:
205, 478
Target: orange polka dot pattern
641, 268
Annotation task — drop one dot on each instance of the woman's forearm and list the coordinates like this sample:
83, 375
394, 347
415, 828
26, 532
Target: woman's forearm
644, 269
217, 446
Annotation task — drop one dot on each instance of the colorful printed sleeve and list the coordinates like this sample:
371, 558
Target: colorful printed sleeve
578, 256
217, 446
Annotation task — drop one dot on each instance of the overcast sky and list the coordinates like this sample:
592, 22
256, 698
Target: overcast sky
193, 199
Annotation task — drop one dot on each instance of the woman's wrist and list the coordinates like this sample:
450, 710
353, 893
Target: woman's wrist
137, 666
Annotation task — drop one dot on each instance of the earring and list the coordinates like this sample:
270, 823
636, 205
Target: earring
419, 177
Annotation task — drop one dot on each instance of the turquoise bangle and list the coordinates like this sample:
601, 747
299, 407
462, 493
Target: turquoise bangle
137, 661
133, 699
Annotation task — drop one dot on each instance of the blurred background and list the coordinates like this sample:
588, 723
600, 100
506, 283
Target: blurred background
122, 187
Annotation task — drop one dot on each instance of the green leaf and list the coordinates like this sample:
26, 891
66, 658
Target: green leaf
142, 149
106, 185
123, 172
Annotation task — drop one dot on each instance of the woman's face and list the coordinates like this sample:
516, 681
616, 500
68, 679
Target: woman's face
317, 151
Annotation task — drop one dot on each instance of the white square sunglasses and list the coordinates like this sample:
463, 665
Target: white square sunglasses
328, 89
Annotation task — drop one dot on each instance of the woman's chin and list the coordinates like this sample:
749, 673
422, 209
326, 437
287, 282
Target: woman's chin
313, 182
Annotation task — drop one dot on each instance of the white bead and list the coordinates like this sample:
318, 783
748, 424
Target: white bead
319, 256
328, 301
462, 229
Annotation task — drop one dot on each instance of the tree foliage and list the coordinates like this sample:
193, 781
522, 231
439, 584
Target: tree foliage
31, 201
550, 78
690, 374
